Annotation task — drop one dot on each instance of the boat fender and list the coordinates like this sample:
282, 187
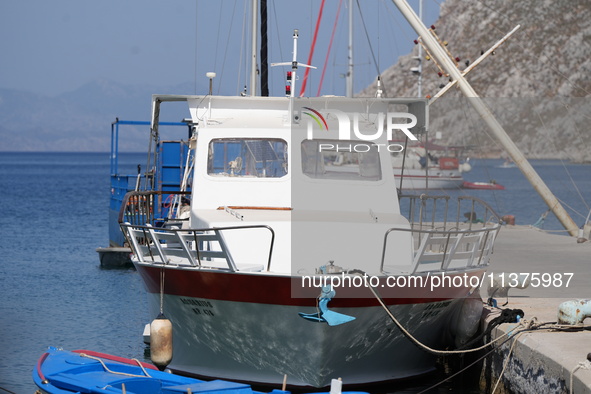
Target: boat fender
465, 167
161, 341
468, 320
574, 311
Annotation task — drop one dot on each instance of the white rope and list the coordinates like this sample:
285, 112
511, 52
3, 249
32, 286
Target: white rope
117, 373
506, 361
427, 348
581, 365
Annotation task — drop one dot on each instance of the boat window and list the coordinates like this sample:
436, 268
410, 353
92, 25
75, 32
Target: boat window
247, 157
345, 160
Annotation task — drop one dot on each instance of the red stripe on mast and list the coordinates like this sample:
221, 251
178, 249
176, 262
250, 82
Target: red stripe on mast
334, 28
312, 47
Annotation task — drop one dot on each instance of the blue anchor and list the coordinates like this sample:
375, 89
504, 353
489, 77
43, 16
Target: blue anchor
325, 315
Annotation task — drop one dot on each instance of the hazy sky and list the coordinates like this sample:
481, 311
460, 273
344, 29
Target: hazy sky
51, 47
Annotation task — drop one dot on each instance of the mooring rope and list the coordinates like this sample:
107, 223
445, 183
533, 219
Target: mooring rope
581, 365
435, 351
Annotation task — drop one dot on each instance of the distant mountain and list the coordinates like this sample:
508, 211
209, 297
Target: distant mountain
538, 83
80, 120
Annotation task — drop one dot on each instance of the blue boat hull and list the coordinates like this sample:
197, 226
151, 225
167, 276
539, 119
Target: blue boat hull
81, 371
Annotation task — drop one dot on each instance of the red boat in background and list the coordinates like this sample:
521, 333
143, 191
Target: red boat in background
483, 185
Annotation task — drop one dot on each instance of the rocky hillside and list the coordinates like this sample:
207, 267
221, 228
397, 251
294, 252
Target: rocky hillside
538, 83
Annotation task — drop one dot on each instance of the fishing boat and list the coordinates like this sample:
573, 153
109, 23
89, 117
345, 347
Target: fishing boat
60, 371
166, 173
429, 166
294, 246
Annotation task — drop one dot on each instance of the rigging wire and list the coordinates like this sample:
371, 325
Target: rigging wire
552, 141
312, 48
217, 43
276, 35
334, 28
368, 40
241, 66
227, 46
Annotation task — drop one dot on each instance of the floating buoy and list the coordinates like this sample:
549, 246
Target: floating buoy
161, 341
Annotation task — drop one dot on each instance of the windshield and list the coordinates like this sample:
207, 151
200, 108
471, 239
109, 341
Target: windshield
247, 157
343, 160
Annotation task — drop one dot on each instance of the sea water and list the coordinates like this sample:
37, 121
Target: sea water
54, 293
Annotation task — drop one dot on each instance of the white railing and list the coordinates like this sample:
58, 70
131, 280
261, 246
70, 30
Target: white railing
205, 248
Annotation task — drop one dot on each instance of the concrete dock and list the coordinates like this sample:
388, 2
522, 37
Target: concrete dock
540, 361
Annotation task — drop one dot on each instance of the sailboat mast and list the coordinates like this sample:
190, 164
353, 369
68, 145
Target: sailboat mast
264, 51
420, 56
349, 79
486, 114
253, 49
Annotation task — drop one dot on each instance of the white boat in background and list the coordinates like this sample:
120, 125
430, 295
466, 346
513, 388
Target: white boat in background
432, 168
291, 226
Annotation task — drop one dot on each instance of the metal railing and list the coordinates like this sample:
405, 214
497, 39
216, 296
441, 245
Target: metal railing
193, 247
436, 250
434, 212
447, 237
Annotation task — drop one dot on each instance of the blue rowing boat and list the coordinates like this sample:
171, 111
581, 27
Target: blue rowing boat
60, 371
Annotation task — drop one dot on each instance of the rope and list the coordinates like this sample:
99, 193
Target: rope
507, 360
161, 290
581, 365
427, 348
8, 391
118, 373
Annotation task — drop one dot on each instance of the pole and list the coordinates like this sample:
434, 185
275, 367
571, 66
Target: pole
253, 63
420, 56
486, 114
264, 51
350, 53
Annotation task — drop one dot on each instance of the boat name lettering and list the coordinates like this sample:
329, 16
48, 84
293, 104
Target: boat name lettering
393, 121
207, 312
190, 301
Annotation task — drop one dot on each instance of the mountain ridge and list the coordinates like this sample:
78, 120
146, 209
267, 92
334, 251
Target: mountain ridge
537, 83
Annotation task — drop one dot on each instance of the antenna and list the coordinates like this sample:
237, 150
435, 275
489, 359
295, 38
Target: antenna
291, 75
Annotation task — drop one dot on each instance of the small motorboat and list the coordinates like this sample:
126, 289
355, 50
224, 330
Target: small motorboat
492, 185
60, 371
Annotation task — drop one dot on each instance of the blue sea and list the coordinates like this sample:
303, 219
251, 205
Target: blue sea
53, 292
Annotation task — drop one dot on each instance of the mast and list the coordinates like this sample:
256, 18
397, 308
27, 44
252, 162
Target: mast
349, 79
486, 114
264, 51
420, 56
253, 49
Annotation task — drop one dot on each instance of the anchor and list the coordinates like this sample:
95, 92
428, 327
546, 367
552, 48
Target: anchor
325, 315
